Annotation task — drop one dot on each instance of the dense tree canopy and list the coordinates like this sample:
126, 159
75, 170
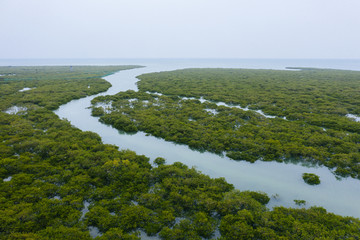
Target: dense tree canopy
310, 108
311, 178
57, 182
51, 86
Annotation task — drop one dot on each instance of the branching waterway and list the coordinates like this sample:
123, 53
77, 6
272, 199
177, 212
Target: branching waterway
281, 181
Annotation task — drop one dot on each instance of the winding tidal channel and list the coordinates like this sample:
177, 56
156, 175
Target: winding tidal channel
281, 181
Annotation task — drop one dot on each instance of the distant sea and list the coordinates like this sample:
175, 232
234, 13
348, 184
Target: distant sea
344, 64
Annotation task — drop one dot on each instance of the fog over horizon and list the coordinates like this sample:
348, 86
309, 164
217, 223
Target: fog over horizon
243, 29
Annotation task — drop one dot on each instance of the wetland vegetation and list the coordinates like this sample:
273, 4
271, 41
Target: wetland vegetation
311, 178
51, 172
305, 113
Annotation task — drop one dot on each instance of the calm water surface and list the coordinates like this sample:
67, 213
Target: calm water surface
280, 179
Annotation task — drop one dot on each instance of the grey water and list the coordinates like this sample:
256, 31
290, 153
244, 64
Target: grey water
282, 180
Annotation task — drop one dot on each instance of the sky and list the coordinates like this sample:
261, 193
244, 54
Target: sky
180, 29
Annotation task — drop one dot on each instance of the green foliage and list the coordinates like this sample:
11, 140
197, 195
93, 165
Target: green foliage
117, 233
311, 178
235, 201
159, 161
197, 227
51, 87
97, 112
287, 223
57, 181
300, 202
276, 92
65, 233
238, 226
261, 197
316, 129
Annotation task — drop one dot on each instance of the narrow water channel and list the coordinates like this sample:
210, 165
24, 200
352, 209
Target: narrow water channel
281, 180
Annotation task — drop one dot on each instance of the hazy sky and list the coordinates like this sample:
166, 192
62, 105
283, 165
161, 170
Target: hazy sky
180, 29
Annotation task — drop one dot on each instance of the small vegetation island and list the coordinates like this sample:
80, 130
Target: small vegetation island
311, 178
58, 182
269, 115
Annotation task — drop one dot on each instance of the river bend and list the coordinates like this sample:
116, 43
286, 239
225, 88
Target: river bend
283, 181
